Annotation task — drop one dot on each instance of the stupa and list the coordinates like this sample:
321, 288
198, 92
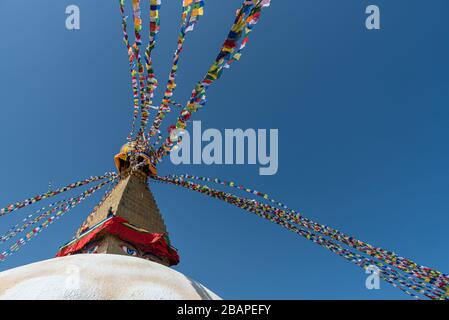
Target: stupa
121, 251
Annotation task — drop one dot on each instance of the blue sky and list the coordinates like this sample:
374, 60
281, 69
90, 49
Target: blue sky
362, 115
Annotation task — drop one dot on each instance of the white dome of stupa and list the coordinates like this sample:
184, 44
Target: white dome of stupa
99, 277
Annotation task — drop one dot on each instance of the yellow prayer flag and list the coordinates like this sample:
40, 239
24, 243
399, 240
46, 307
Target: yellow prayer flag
197, 12
227, 49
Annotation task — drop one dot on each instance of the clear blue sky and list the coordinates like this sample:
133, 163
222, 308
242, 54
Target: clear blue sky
362, 115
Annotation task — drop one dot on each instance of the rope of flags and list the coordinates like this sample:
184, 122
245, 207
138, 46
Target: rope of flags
432, 286
247, 17
406, 265
151, 81
129, 50
54, 214
51, 209
22, 204
192, 10
145, 84
24, 222
137, 19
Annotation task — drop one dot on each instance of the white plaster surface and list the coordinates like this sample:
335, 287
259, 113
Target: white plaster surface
99, 277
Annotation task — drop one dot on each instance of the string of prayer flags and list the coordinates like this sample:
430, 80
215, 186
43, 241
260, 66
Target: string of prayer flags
17, 226
431, 287
143, 84
151, 81
391, 258
134, 82
138, 58
37, 230
52, 208
248, 206
192, 10
22, 204
247, 17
